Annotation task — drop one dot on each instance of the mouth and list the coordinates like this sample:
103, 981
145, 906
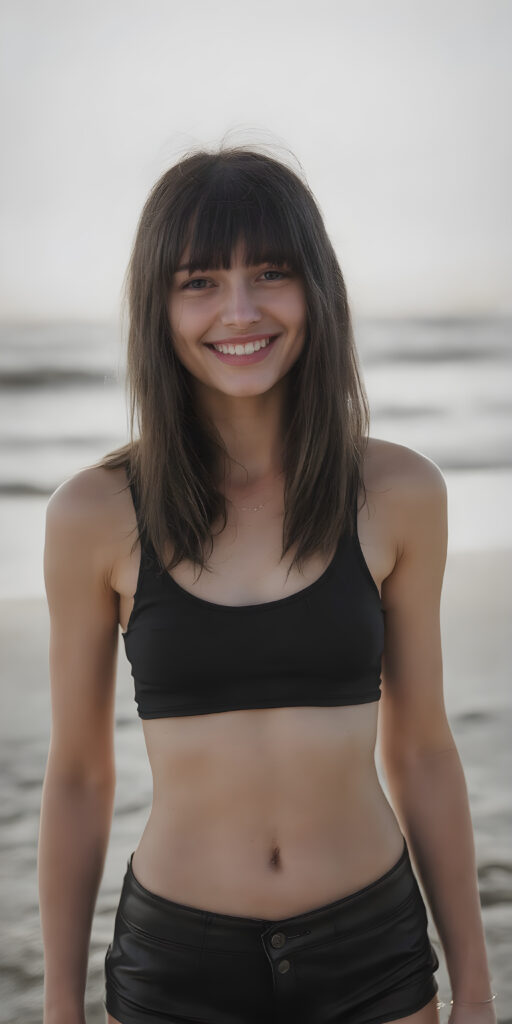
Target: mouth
246, 354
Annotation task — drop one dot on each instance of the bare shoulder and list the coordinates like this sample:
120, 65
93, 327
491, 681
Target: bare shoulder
400, 480
400, 471
406, 504
90, 507
89, 492
409, 493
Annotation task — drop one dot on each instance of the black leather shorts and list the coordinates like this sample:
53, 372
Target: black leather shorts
364, 959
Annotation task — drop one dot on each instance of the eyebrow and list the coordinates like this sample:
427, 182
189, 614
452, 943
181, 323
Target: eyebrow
186, 266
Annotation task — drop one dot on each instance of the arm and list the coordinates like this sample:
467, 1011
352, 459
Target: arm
420, 759
79, 782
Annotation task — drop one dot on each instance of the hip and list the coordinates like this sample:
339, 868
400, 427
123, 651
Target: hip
365, 957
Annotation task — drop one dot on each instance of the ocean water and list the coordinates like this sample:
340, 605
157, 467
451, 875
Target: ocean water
442, 387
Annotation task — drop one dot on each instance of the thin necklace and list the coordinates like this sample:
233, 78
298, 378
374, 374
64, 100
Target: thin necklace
255, 508
251, 508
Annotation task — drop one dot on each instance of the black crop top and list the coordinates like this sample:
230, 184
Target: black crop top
321, 646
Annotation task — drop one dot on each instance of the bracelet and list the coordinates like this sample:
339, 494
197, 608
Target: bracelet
477, 1002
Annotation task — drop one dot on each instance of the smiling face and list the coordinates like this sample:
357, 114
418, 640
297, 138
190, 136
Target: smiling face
223, 306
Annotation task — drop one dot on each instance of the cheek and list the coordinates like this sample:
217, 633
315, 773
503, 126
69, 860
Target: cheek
187, 324
292, 306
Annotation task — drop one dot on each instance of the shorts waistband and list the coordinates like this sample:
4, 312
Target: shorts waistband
187, 925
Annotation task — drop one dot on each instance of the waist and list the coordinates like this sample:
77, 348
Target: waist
266, 864
275, 808
387, 892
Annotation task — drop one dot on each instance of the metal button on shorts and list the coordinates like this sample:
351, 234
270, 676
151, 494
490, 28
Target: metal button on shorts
364, 956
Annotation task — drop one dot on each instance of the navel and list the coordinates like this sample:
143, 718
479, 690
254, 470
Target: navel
275, 857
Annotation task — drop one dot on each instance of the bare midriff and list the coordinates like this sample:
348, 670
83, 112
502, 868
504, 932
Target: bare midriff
265, 812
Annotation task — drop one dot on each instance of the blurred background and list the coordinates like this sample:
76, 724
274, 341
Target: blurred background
397, 114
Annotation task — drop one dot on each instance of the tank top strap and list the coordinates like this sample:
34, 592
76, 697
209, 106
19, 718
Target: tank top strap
355, 534
146, 546
135, 499
354, 506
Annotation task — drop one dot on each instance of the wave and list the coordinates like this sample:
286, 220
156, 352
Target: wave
56, 376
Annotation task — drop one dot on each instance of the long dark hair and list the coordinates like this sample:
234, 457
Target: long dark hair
211, 201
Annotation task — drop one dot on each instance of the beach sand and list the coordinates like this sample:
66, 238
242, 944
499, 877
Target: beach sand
475, 622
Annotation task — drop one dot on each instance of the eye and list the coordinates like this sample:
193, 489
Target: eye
194, 281
197, 280
280, 272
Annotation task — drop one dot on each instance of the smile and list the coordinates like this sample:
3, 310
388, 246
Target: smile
252, 352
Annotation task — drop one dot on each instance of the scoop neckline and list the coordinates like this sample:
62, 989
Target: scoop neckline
262, 605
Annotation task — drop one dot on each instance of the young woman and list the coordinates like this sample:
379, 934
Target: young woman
273, 879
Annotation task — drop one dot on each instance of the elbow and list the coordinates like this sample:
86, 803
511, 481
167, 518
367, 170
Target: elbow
74, 776
401, 756
405, 763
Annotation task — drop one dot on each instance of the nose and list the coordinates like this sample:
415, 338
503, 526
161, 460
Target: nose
239, 309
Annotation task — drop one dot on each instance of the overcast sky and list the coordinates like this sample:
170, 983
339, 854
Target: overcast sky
398, 111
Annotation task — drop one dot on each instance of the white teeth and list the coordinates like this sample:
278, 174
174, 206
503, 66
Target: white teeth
243, 350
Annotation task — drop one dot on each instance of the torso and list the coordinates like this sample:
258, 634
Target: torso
266, 812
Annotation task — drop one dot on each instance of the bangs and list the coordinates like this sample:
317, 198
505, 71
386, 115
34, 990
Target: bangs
250, 218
